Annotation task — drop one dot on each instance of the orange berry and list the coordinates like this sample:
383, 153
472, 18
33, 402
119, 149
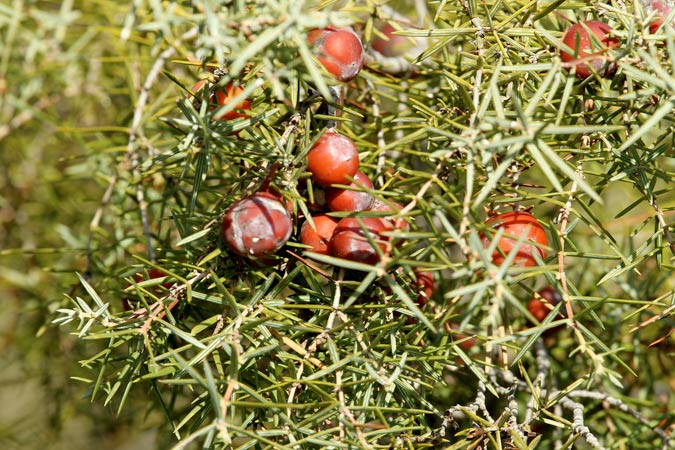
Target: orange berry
221, 96
339, 199
333, 159
319, 238
539, 306
517, 225
589, 51
350, 240
339, 50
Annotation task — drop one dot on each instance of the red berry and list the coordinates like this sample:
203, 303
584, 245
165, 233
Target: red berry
589, 53
425, 283
350, 240
151, 275
662, 8
517, 225
257, 225
391, 44
221, 96
468, 341
339, 50
543, 304
349, 200
318, 238
333, 159
390, 222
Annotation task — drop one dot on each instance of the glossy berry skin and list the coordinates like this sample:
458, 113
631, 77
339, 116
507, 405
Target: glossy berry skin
350, 241
221, 96
517, 225
333, 159
257, 225
157, 290
588, 52
338, 199
539, 306
339, 50
319, 238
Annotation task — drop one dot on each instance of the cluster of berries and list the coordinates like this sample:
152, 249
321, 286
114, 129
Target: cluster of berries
260, 224
333, 161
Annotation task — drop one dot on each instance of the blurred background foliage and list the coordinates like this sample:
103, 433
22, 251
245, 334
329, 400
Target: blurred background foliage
65, 95
72, 73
